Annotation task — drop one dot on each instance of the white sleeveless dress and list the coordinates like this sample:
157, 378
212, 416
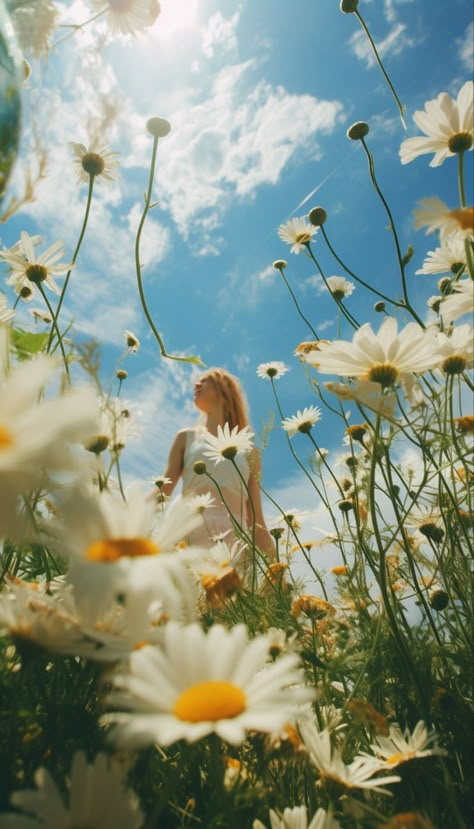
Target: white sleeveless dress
216, 519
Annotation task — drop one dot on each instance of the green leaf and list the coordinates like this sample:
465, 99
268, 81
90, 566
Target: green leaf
27, 343
408, 255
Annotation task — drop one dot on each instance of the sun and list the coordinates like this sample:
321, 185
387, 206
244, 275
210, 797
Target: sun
176, 16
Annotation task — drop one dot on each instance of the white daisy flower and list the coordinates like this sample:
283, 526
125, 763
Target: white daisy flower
449, 257
400, 747
297, 818
385, 358
95, 160
114, 546
202, 683
460, 302
448, 127
97, 798
371, 395
339, 287
34, 25
201, 503
273, 370
216, 558
333, 770
297, 233
117, 426
127, 17
6, 313
29, 270
302, 421
133, 343
456, 352
38, 314
160, 481
227, 444
434, 214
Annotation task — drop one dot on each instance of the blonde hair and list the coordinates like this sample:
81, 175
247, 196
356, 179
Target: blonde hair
232, 394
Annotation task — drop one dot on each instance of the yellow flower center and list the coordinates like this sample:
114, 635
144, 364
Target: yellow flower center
93, 164
113, 549
400, 757
455, 364
383, 373
36, 273
210, 701
460, 142
303, 238
464, 216
6, 440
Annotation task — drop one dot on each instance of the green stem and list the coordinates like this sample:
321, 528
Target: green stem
350, 319
297, 305
56, 329
401, 107
462, 190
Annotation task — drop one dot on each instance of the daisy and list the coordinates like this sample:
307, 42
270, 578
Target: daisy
296, 818
227, 444
133, 343
458, 303
400, 747
456, 352
216, 569
447, 124
427, 520
339, 287
302, 421
114, 546
336, 775
271, 371
34, 26
201, 683
94, 161
297, 233
160, 481
449, 257
28, 269
97, 798
386, 357
116, 427
434, 214
127, 17
201, 503
6, 313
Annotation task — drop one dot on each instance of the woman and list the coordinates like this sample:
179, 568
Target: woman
220, 399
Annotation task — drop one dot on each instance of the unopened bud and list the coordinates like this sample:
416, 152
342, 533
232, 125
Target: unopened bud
317, 216
345, 505
280, 264
438, 599
121, 374
358, 131
200, 468
379, 307
98, 445
277, 532
158, 127
349, 6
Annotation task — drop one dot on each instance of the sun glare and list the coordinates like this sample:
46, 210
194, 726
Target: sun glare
176, 15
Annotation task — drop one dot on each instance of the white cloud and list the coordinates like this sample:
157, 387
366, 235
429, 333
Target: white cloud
466, 48
220, 34
394, 43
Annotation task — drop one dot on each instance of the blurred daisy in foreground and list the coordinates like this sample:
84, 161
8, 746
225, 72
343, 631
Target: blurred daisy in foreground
6, 313
97, 798
459, 302
298, 233
339, 287
303, 421
297, 818
434, 214
448, 127
271, 371
400, 747
34, 25
28, 270
449, 257
127, 17
227, 444
202, 683
369, 394
95, 160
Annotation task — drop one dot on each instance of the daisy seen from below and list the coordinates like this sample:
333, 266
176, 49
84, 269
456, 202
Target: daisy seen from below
448, 127
458, 303
339, 287
298, 233
434, 214
400, 747
27, 269
337, 776
201, 683
450, 257
97, 798
367, 393
271, 371
94, 161
227, 444
127, 17
303, 421
386, 357
456, 352
132, 342
297, 818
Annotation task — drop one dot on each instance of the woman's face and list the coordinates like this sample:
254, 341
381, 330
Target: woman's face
206, 395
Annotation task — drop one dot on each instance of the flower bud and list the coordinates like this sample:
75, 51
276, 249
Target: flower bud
199, 468
280, 264
345, 505
348, 6
158, 127
444, 285
438, 599
277, 532
98, 445
379, 307
358, 131
121, 374
317, 216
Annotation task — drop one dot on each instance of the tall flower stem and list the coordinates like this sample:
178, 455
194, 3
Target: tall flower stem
350, 319
138, 268
73, 261
401, 107
55, 328
297, 305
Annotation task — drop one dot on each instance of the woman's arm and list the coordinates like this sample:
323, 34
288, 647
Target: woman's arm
174, 468
263, 538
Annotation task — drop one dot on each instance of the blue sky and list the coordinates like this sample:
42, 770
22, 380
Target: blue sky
259, 95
